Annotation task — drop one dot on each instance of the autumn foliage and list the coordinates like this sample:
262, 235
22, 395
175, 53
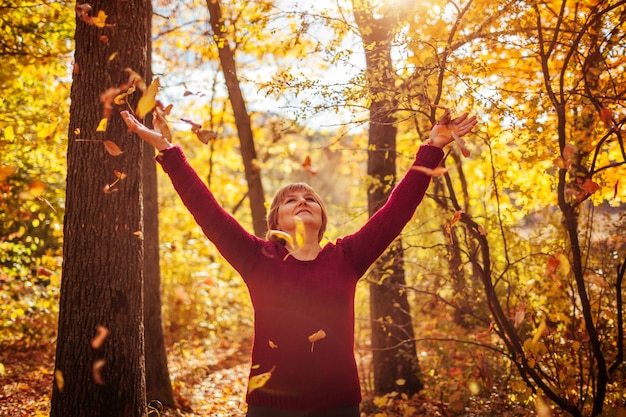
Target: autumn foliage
514, 262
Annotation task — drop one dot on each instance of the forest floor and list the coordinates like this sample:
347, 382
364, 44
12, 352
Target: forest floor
208, 380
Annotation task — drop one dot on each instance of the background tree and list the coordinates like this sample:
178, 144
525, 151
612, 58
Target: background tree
99, 367
395, 362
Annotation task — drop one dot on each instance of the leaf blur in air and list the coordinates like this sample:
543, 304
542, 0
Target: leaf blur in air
6, 171
300, 231
102, 126
148, 101
101, 335
96, 371
308, 167
606, 115
279, 234
112, 148
589, 186
258, 381
9, 134
35, 190
160, 123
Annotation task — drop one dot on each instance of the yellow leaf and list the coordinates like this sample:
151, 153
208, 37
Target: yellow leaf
300, 231
279, 234
564, 265
258, 381
102, 126
540, 330
9, 134
148, 100
58, 378
100, 20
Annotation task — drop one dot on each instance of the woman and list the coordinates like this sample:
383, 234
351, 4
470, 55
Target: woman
303, 362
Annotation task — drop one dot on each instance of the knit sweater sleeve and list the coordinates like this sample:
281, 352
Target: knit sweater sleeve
371, 240
235, 244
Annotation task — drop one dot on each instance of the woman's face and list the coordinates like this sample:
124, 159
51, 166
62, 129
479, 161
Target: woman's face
303, 204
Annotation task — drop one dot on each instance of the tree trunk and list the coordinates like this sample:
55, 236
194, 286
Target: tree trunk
102, 282
158, 384
395, 363
242, 120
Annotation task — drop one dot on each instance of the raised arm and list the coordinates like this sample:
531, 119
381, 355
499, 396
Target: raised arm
231, 239
369, 242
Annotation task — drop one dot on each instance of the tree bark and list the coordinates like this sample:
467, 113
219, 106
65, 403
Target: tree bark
102, 281
395, 363
242, 120
158, 383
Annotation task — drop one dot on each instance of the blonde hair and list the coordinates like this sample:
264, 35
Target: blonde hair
279, 198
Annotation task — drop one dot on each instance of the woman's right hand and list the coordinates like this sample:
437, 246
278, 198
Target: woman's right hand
153, 137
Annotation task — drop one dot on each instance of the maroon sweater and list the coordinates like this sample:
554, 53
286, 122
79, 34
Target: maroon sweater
294, 299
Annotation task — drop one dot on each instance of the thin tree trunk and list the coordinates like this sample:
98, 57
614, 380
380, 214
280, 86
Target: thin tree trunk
242, 120
395, 363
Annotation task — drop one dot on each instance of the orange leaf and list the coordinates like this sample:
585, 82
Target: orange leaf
616, 189
6, 171
96, 371
99, 338
205, 136
308, 167
568, 152
112, 148
457, 216
606, 115
590, 186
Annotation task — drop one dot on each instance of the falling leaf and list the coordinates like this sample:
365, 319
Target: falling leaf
82, 11
105, 40
273, 345
258, 381
59, 380
100, 20
520, 314
589, 186
101, 334
438, 171
35, 190
539, 331
193, 124
279, 234
400, 381
139, 234
6, 171
96, 371
569, 151
102, 126
564, 266
9, 134
134, 79
300, 232
205, 136
542, 407
616, 188
606, 115
147, 102
112, 148
457, 216
160, 123
308, 167
318, 335
77, 131
461, 143
482, 231
181, 295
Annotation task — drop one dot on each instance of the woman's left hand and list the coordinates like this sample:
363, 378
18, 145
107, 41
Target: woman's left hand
446, 128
